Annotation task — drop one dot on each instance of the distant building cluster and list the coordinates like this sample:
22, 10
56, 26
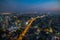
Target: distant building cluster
46, 28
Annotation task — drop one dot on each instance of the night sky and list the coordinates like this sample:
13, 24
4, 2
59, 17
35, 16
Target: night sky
29, 5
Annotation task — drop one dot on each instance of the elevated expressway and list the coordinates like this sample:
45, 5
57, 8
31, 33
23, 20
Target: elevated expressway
22, 35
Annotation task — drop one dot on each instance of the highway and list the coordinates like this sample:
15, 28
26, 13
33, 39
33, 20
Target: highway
22, 35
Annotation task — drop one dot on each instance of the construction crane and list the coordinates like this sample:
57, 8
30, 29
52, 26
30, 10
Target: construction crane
22, 35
